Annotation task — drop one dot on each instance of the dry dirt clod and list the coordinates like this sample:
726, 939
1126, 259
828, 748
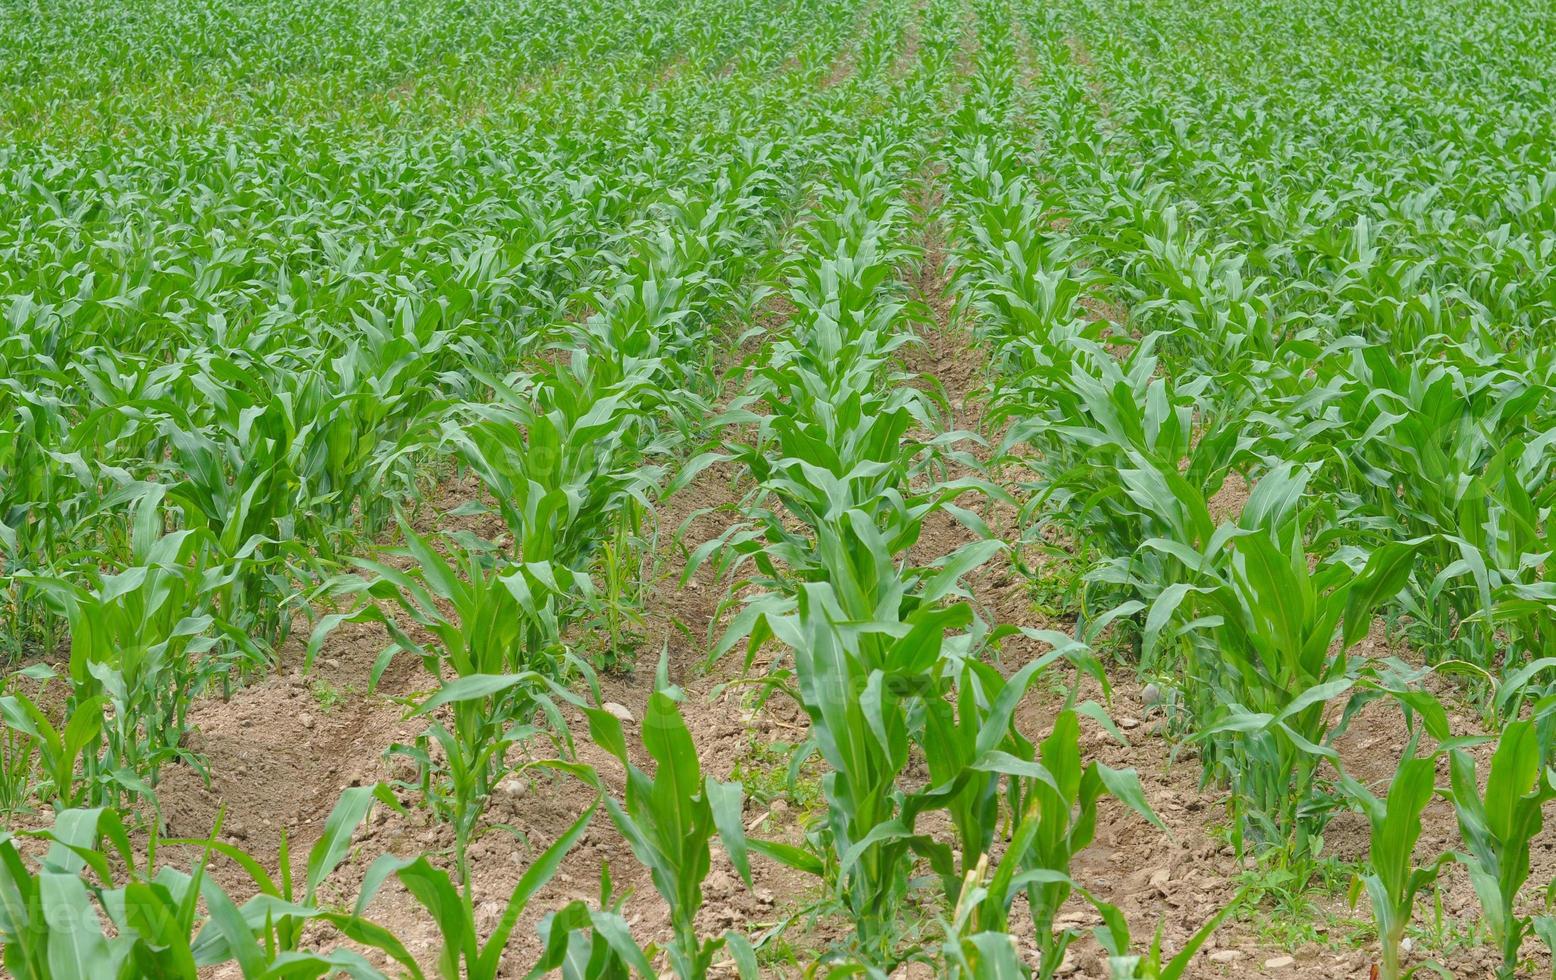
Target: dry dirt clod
621, 712
1226, 956
1278, 962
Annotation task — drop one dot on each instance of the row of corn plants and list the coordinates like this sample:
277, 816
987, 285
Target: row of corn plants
848, 457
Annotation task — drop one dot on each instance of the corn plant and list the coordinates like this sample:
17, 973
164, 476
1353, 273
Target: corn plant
1054, 815
463, 952
584, 942
1393, 880
1113, 935
59, 749
1497, 827
270, 924
52, 927
859, 687
561, 459
669, 819
498, 648
972, 747
1126, 457
144, 643
52, 918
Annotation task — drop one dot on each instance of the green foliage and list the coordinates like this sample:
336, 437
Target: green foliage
52, 917
1054, 812
1263, 630
267, 271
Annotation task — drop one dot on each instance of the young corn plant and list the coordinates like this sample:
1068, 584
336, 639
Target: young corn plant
52, 917
1126, 457
863, 684
1392, 879
143, 643
1053, 803
50, 924
272, 921
972, 747
60, 749
34, 754
669, 819
1054, 813
560, 454
1431, 445
584, 942
1497, 827
1113, 936
462, 952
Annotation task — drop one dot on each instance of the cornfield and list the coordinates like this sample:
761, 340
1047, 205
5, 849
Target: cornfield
825, 488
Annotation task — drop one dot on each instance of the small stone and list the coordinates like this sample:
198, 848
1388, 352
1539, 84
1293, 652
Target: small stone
763, 896
306, 720
1129, 724
1226, 956
1150, 695
237, 830
621, 712
778, 810
513, 787
1278, 963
